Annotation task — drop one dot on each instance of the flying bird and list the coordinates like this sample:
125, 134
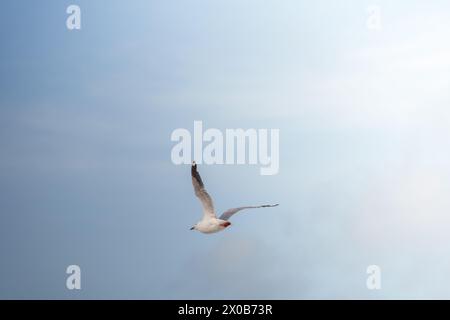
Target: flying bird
210, 223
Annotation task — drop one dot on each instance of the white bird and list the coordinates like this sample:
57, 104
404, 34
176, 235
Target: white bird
210, 223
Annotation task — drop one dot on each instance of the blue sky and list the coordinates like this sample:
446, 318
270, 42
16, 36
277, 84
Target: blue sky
86, 176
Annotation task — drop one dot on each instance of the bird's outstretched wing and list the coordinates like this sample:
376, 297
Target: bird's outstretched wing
200, 192
227, 214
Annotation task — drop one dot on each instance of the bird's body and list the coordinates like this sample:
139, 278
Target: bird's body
210, 223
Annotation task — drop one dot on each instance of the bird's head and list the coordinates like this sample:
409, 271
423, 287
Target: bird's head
193, 228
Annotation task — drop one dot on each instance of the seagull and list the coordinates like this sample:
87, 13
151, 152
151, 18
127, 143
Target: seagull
210, 223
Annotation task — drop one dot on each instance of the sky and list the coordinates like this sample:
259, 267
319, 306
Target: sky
86, 176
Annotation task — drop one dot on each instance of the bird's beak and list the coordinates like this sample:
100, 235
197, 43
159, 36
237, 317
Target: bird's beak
192, 228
